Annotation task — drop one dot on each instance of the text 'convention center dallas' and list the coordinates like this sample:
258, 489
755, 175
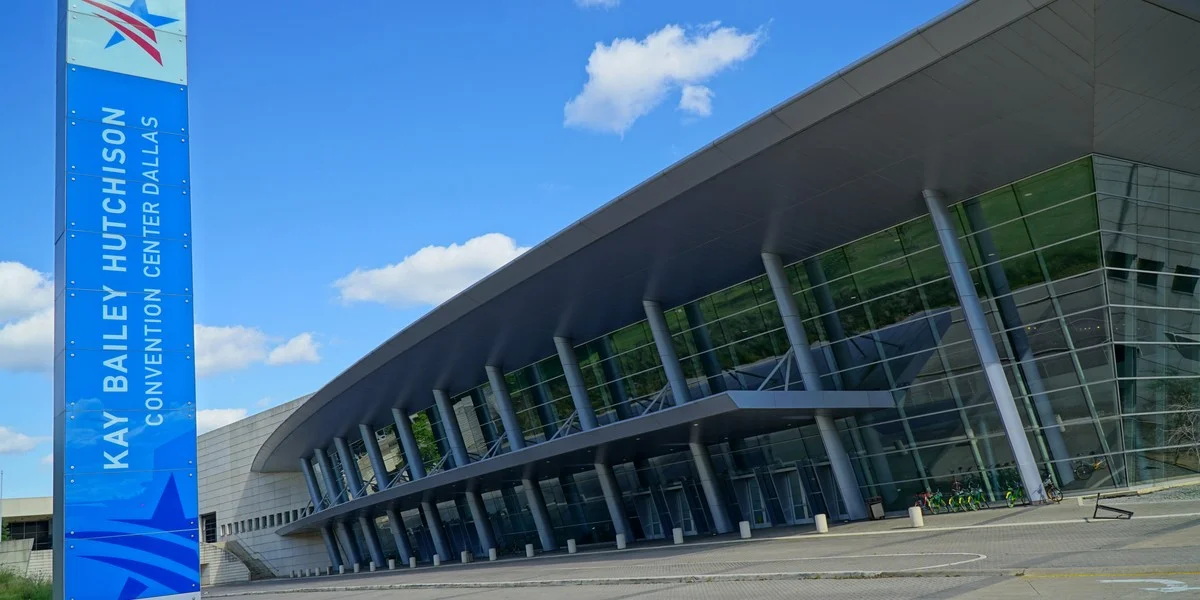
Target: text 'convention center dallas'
970, 257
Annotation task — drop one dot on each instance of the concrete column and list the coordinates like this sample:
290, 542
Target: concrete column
396, 524
335, 558
433, 521
508, 416
616, 383
960, 275
839, 461
483, 525
483, 412
666, 352
408, 442
349, 547
349, 467
454, 437
712, 492
333, 489
371, 536
708, 357
541, 517
579, 395
541, 396
612, 497
310, 479
375, 455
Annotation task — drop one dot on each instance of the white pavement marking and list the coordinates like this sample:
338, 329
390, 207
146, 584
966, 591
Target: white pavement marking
1169, 585
975, 556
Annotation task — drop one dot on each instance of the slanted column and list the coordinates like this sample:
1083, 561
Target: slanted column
333, 490
335, 558
708, 482
612, 498
433, 522
375, 455
541, 517
349, 467
349, 547
454, 437
408, 442
396, 524
371, 536
960, 275
708, 358
839, 461
310, 479
508, 416
579, 396
666, 352
483, 525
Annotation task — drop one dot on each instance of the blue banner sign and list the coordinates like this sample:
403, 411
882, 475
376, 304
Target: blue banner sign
125, 492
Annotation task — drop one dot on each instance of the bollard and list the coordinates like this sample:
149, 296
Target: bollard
1079, 500
437, 560
492, 554
528, 550
391, 564
412, 562
821, 523
620, 541
571, 546
293, 573
371, 568
915, 517
341, 569
744, 529
465, 556
356, 567
677, 534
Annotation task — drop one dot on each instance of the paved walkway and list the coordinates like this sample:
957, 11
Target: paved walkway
1053, 549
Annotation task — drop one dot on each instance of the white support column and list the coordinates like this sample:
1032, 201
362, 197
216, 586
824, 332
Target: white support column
541, 517
483, 525
433, 522
408, 442
333, 489
666, 352
374, 455
349, 467
839, 461
310, 480
504, 405
396, 524
579, 395
613, 499
981, 335
708, 482
454, 437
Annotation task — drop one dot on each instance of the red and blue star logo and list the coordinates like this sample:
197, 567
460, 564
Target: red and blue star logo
133, 23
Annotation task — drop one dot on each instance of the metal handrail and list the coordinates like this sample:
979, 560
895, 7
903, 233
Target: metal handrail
565, 426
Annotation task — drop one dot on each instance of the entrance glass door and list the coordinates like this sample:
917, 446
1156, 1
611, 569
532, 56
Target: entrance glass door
647, 514
793, 498
679, 509
750, 501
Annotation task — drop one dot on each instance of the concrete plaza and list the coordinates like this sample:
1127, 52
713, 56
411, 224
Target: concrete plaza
1004, 553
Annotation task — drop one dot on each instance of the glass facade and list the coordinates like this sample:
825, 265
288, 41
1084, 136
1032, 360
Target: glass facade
1088, 275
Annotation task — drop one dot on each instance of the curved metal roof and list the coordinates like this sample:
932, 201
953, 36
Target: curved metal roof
985, 94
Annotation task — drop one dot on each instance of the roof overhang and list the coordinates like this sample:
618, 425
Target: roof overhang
710, 420
987, 93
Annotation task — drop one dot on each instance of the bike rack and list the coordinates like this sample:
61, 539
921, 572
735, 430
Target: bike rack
1120, 512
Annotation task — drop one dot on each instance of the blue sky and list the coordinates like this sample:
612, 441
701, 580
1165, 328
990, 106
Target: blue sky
353, 164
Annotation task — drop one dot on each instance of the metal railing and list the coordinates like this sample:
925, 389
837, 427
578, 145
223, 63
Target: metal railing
566, 426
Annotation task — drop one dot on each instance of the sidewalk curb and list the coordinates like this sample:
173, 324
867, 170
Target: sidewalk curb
655, 580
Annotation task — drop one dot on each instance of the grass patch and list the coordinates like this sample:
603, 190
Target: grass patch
16, 587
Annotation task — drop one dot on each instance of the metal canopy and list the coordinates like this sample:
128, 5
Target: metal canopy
990, 92
710, 420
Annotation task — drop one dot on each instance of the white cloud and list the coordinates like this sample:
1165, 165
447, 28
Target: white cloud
26, 318
629, 78
300, 349
48, 460
696, 99
212, 418
15, 442
432, 274
597, 3
237, 347
23, 291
